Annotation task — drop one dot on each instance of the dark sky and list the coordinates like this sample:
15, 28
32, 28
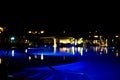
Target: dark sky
71, 18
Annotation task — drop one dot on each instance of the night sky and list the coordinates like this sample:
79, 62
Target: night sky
71, 19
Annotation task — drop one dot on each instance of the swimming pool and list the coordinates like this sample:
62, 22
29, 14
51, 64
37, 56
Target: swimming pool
47, 56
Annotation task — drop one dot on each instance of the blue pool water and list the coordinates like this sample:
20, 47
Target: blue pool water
62, 63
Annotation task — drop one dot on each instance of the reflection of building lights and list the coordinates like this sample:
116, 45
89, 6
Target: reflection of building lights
25, 50
55, 49
80, 49
64, 49
96, 49
35, 56
112, 50
0, 60
12, 52
73, 50
75, 41
116, 53
29, 57
42, 57
86, 50
100, 53
106, 50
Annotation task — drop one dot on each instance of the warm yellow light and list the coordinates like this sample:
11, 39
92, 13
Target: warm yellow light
116, 36
35, 32
42, 32
29, 31
96, 36
65, 41
80, 40
1, 29
0, 60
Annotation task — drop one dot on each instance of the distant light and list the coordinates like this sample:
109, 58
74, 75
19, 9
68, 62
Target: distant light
35, 56
89, 36
73, 50
35, 32
42, 32
29, 57
29, 31
64, 31
112, 40
12, 38
117, 53
0, 60
1, 29
90, 32
96, 36
80, 49
116, 36
26, 41
42, 57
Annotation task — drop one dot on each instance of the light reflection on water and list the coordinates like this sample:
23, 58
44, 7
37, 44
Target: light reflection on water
82, 51
36, 57
62, 51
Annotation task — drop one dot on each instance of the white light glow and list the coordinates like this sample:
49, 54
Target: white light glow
80, 49
25, 50
30, 58
42, 32
42, 57
13, 52
29, 31
12, 38
73, 50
